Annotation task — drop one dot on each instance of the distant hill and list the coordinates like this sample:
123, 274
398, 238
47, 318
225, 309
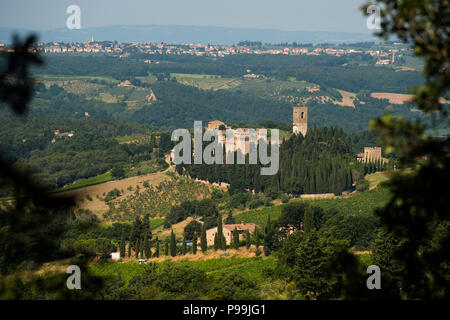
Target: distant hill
188, 34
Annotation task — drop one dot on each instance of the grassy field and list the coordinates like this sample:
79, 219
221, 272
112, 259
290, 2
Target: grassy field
206, 81
259, 216
70, 77
155, 223
376, 178
105, 177
271, 87
128, 139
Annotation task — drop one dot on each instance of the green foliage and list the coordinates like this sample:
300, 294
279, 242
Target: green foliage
87, 157
147, 248
173, 244
184, 246
169, 281
318, 163
308, 255
235, 238
203, 243
122, 245
229, 219
309, 220
222, 278
92, 247
362, 185
233, 286
219, 238
194, 243
118, 172
137, 249
205, 208
193, 227
386, 254
166, 247
247, 239
349, 218
113, 194
157, 248
415, 222
161, 198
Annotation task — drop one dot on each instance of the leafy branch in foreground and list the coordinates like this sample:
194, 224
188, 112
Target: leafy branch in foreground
32, 226
416, 219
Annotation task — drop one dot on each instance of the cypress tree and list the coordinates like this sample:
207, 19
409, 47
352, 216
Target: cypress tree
247, 239
203, 242
130, 244
157, 248
256, 239
236, 238
309, 220
166, 247
122, 245
194, 243
268, 226
147, 249
136, 230
230, 219
136, 249
173, 245
216, 241
221, 242
219, 231
184, 247
142, 247
146, 226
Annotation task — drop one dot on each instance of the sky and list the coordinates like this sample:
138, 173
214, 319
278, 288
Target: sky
292, 15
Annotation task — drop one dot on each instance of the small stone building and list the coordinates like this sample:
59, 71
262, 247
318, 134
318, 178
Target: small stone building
228, 232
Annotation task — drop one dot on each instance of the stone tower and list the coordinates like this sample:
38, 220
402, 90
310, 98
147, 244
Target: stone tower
300, 123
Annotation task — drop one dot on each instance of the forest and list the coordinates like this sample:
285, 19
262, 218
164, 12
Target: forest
94, 148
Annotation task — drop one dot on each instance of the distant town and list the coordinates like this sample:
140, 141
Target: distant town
123, 50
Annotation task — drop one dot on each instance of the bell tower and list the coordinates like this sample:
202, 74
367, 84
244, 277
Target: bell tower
300, 123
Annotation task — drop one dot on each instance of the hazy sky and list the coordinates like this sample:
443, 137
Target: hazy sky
314, 15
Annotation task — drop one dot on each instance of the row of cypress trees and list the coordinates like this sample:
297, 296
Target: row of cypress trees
143, 248
317, 163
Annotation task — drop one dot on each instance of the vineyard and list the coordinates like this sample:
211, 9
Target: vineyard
363, 203
156, 201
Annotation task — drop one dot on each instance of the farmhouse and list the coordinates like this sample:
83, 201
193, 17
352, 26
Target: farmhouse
228, 232
125, 83
63, 134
